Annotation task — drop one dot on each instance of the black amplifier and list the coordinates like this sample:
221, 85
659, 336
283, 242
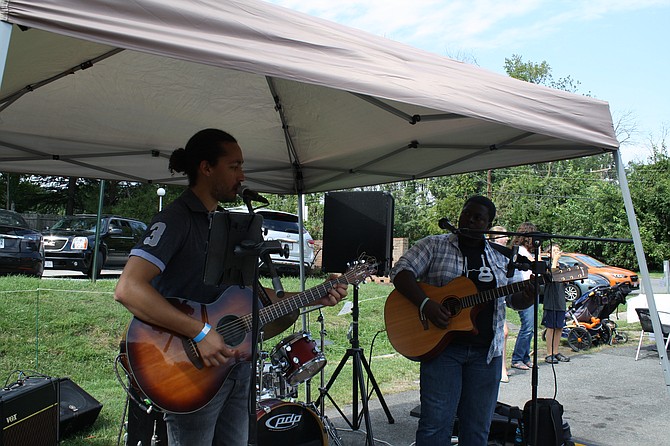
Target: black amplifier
29, 413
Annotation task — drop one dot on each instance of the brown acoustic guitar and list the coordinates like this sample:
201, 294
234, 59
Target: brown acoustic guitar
419, 340
166, 366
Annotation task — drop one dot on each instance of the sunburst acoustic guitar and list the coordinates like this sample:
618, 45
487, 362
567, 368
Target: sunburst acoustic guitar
166, 366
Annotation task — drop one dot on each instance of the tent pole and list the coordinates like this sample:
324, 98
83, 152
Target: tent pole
301, 239
644, 271
96, 248
301, 242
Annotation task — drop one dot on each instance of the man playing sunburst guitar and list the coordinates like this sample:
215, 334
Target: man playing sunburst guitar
169, 261
461, 375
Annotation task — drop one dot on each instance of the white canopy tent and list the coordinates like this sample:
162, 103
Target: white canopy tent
106, 89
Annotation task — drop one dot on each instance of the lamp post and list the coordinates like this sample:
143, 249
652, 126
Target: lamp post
161, 193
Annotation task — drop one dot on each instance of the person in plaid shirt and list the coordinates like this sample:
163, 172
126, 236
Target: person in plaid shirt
462, 380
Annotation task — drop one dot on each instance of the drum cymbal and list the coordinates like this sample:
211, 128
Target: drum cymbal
272, 329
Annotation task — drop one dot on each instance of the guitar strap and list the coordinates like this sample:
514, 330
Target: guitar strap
504, 250
263, 296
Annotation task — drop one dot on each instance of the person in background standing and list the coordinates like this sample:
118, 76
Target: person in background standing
521, 354
553, 317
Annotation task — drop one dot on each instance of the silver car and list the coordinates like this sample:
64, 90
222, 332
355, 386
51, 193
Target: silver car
285, 228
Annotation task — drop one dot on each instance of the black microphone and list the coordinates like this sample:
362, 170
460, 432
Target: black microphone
251, 195
512, 261
445, 224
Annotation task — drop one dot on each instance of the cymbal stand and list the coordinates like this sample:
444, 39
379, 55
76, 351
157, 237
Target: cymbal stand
358, 382
320, 410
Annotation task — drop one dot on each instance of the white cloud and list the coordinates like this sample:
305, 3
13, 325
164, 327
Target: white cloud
480, 24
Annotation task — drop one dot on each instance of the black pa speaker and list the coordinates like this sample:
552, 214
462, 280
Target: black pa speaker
357, 223
29, 412
78, 409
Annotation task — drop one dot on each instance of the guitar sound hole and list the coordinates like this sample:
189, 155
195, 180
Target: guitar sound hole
232, 329
453, 305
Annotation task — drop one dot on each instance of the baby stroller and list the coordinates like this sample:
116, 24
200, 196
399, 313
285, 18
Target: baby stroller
587, 319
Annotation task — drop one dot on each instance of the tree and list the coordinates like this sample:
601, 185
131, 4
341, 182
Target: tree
650, 193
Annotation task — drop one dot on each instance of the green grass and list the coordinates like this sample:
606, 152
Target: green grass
72, 328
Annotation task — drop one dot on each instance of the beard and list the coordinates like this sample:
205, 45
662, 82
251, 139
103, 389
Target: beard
223, 193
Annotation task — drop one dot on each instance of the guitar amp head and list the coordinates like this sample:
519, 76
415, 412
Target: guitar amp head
29, 412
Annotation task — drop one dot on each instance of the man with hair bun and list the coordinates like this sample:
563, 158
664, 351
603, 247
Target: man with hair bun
169, 262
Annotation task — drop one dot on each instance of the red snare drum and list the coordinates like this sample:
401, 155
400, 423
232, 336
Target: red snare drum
298, 358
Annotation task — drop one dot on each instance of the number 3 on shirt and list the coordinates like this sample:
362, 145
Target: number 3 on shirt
156, 233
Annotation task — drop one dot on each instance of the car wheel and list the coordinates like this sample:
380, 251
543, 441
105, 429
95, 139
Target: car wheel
101, 261
572, 292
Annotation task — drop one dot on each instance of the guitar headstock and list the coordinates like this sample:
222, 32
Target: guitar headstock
568, 274
360, 269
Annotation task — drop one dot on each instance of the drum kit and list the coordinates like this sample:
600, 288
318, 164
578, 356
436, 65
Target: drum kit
281, 418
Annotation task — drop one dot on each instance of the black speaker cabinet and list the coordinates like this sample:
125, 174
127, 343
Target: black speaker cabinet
78, 409
356, 223
29, 412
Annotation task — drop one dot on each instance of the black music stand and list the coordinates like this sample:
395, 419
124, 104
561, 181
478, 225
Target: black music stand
358, 382
231, 235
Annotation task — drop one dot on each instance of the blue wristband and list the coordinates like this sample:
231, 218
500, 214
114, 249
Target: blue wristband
202, 333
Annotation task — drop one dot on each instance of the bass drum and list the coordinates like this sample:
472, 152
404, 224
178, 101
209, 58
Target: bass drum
281, 423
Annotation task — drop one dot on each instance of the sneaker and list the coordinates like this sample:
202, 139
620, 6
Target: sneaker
561, 357
551, 359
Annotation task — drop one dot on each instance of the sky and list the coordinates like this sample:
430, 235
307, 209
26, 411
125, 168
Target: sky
616, 49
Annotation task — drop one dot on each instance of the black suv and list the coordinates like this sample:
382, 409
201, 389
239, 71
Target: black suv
68, 244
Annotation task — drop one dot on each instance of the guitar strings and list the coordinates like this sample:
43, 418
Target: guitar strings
243, 324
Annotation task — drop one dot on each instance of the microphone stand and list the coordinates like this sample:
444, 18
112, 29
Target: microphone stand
260, 250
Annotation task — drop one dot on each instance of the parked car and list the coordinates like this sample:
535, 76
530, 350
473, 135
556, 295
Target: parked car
613, 274
21, 248
69, 243
285, 227
574, 290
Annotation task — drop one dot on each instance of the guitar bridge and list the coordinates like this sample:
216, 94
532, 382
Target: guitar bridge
192, 353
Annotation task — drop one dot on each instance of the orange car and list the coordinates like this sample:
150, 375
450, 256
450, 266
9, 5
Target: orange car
612, 273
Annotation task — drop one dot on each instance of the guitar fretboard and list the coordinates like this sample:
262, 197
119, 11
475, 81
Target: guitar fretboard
302, 299
489, 295
568, 274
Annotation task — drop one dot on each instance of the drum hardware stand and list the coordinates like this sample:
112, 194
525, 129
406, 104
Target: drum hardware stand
320, 411
358, 382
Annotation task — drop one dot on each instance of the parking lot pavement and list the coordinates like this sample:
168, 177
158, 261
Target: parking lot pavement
608, 399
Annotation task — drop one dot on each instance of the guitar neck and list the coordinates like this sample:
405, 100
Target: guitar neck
289, 304
489, 295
